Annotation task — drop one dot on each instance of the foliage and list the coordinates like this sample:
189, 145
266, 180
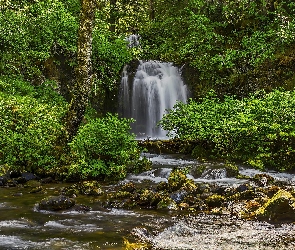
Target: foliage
109, 57
104, 147
29, 33
30, 124
228, 43
258, 130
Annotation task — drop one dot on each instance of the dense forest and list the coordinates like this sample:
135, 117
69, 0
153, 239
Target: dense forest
238, 57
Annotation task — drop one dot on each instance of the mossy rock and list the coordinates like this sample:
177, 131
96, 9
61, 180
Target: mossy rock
232, 170
121, 195
32, 184
55, 203
128, 187
167, 203
197, 171
178, 179
263, 179
215, 200
90, 188
162, 186
146, 197
84, 188
280, 208
38, 189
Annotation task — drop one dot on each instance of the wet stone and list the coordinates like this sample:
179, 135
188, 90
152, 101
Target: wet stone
46, 180
29, 176
55, 203
178, 196
128, 187
3, 181
280, 208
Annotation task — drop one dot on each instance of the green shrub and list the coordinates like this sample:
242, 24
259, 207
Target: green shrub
29, 125
259, 130
104, 148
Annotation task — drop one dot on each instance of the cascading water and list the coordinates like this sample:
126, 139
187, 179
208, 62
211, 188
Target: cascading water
156, 87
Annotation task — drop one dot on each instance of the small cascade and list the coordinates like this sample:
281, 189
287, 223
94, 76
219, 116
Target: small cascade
214, 174
156, 87
133, 40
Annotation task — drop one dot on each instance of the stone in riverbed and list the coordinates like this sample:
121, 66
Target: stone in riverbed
85, 188
55, 203
280, 208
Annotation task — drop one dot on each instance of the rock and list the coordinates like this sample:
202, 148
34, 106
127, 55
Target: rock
162, 186
232, 170
29, 176
146, 197
90, 188
215, 200
46, 180
263, 180
197, 171
55, 203
84, 188
243, 188
178, 180
280, 208
178, 196
81, 208
3, 181
38, 189
128, 187
167, 203
32, 184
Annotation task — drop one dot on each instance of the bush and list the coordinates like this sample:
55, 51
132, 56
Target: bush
259, 130
104, 148
29, 125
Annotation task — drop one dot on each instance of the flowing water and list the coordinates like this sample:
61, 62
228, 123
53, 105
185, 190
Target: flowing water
156, 87
23, 226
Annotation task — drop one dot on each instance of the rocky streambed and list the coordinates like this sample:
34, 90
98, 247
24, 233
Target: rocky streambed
179, 204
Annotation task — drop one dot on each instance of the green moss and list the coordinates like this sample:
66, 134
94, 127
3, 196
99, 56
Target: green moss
215, 200
232, 170
281, 207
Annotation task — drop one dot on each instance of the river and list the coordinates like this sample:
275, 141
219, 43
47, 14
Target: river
23, 226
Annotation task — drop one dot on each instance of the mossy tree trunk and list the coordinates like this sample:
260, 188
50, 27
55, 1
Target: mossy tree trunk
82, 88
152, 10
113, 15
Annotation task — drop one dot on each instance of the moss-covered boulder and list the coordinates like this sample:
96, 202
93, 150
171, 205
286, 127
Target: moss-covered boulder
167, 203
55, 203
263, 180
178, 179
83, 188
232, 170
280, 208
197, 171
215, 200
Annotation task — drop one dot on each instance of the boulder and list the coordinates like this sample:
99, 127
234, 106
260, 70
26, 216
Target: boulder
55, 203
280, 208
3, 181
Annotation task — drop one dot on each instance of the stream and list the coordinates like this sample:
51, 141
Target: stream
23, 226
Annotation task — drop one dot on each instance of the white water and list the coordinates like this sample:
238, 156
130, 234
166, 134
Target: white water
214, 172
156, 87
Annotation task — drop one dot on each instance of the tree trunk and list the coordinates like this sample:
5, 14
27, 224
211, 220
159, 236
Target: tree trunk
152, 10
82, 88
113, 15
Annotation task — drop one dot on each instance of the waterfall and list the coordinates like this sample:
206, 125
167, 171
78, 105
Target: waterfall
156, 87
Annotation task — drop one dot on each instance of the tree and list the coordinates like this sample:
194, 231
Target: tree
82, 88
